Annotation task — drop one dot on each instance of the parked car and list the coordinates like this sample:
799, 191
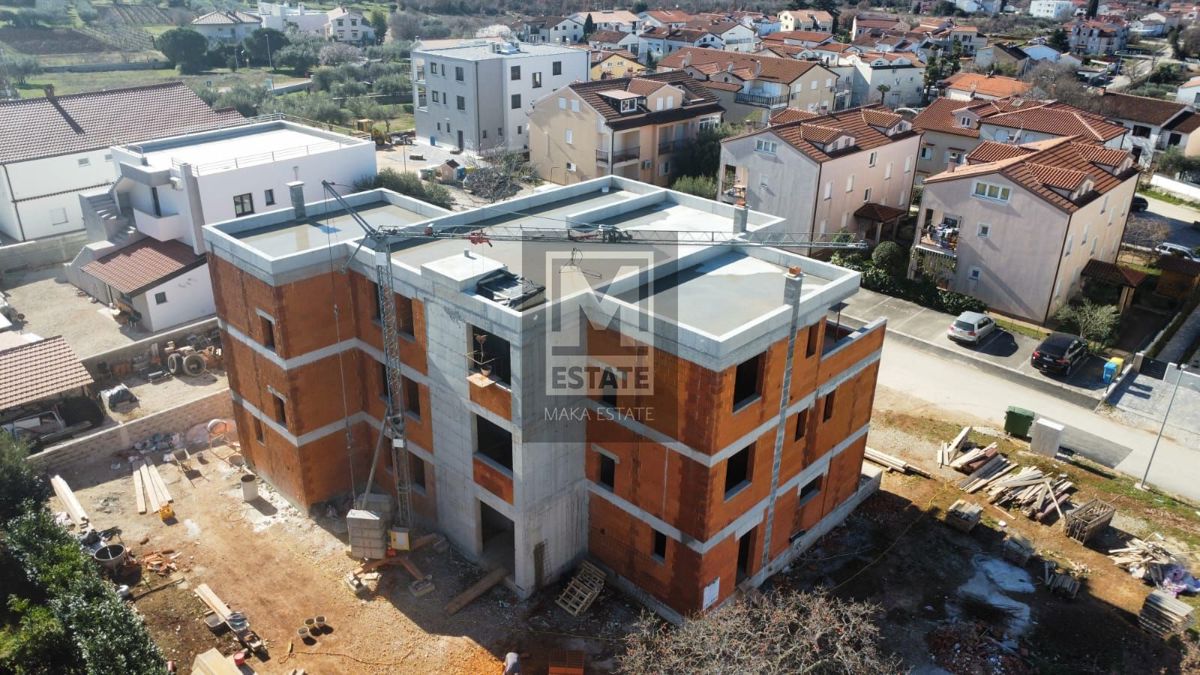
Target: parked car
58, 422
1177, 250
971, 328
1138, 204
1059, 353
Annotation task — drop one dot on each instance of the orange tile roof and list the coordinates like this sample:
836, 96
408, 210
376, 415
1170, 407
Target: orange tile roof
996, 86
711, 61
803, 35
991, 151
142, 264
40, 370
1047, 166
1048, 117
807, 132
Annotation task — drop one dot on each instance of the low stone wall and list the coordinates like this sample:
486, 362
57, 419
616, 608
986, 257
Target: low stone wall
1175, 187
108, 441
123, 355
42, 252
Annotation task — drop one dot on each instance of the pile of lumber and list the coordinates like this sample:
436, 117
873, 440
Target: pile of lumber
70, 502
974, 458
963, 515
161, 563
894, 463
1142, 559
1032, 493
1164, 615
948, 453
1086, 521
1063, 582
986, 473
1017, 549
149, 489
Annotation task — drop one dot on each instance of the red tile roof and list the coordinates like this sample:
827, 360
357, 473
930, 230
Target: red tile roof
1153, 111
879, 213
1044, 167
712, 61
808, 132
607, 36
996, 86
45, 127
802, 35
1047, 117
38, 371
143, 264
1112, 273
226, 18
696, 99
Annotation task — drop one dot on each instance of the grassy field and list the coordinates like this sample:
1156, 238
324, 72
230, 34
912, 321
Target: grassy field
73, 83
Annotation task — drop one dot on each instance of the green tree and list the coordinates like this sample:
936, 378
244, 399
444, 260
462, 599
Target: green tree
589, 26
379, 23
639, 7
337, 54
247, 99
1059, 41
21, 489
1091, 321
702, 157
263, 45
40, 645
185, 48
883, 92
499, 175
20, 68
408, 184
889, 257
392, 85
701, 186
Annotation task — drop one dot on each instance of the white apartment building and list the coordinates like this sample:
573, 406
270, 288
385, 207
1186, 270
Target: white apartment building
284, 16
901, 74
1051, 9
478, 96
350, 26
227, 27
146, 255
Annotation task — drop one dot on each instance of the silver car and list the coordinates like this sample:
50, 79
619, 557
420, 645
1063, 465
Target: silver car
971, 327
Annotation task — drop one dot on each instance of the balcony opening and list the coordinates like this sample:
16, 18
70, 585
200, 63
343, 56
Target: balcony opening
737, 471
404, 315
416, 471
608, 387
497, 542
491, 355
412, 398
747, 382
809, 490
493, 442
830, 401
280, 409
267, 326
801, 425
660, 546
814, 337
745, 551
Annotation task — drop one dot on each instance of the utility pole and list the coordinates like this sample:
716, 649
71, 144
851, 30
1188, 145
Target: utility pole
1142, 484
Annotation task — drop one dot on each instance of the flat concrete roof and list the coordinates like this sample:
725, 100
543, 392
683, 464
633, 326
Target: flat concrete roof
483, 51
232, 148
323, 229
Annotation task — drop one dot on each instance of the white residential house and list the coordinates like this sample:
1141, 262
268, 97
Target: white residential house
226, 27
979, 6
477, 96
806, 19
147, 256
851, 170
1189, 92
735, 37
1153, 123
900, 74
1051, 9
284, 17
1040, 53
664, 18
658, 43
349, 26
55, 147
556, 29
610, 19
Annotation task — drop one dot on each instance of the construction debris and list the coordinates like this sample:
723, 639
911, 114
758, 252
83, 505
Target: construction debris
475, 590
894, 463
1086, 521
1063, 582
963, 515
582, 590
1032, 493
1164, 615
1145, 560
161, 563
1017, 549
70, 503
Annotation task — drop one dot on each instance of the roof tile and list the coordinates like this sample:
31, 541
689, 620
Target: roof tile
38, 371
143, 263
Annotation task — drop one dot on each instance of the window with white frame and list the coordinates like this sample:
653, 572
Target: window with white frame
998, 193
569, 137
562, 103
871, 158
984, 230
849, 183
1067, 246
765, 146
974, 274
574, 105
907, 164
828, 189
814, 86
927, 152
867, 195
887, 172
570, 167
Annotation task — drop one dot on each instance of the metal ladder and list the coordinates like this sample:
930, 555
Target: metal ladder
394, 423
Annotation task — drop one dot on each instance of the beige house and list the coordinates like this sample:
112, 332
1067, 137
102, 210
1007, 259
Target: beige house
1017, 224
952, 129
759, 85
851, 170
628, 127
805, 19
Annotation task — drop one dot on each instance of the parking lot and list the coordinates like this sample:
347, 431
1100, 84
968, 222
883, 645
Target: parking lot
1179, 218
1010, 351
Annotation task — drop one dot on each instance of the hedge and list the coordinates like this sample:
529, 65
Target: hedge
921, 291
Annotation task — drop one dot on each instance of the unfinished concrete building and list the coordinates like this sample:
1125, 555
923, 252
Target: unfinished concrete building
686, 412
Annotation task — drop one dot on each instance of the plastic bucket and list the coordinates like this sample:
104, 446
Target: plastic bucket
249, 487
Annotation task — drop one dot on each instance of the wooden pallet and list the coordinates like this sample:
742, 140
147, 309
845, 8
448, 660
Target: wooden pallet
582, 590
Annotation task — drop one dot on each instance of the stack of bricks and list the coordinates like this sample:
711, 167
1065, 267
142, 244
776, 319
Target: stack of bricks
368, 535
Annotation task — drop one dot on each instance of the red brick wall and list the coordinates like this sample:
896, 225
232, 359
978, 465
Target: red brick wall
493, 480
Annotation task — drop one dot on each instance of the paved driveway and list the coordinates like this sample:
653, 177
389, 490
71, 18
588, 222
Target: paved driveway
1007, 350
1178, 217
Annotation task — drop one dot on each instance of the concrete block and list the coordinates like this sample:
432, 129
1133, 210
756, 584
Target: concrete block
1046, 437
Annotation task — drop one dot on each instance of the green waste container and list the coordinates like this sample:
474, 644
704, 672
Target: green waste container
1017, 421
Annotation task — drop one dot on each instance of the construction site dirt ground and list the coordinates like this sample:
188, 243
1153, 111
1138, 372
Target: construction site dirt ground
280, 566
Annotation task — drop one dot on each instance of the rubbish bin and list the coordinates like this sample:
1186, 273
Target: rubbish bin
1017, 421
1110, 372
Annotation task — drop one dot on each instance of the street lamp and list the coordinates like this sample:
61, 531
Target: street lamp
1141, 485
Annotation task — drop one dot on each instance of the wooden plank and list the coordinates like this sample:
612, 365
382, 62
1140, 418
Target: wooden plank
138, 492
152, 502
70, 503
956, 444
213, 601
163, 493
475, 590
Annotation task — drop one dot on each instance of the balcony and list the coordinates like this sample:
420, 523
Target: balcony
729, 196
940, 238
666, 147
162, 228
618, 156
761, 99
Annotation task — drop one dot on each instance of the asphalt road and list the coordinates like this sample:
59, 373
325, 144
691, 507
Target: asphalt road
1179, 218
964, 389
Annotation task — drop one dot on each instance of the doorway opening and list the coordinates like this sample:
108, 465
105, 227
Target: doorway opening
498, 539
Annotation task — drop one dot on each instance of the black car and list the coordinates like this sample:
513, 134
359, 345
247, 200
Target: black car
1139, 204
1059, 353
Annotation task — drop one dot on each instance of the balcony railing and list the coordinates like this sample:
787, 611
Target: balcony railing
665, 147
760, 99
940, 238
618, 156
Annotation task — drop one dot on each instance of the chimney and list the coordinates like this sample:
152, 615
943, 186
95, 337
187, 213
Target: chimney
296, 191
687, 59
793, 284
